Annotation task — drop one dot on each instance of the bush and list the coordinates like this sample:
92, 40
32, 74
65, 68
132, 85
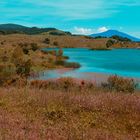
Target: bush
62, 83
47, 41
24, 68
59, 62
72, 65
25, 50
60, 52
119, 38
109, 43
34, 46
120, 84
66, 83
55, 43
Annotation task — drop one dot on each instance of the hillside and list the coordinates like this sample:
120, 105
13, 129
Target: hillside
14, 28
111, 33
13, 34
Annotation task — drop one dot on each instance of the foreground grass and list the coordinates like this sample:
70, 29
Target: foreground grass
41, 114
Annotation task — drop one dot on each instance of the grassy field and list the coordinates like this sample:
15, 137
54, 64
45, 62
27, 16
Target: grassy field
61, 109
41, 114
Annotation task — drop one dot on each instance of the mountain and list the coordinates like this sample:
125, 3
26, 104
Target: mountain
15, 28
111, 33
11, 26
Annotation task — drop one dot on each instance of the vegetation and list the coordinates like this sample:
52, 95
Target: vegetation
20, 61
119, 38
65, 109
100, 48
120, 84
110, 43
47, 41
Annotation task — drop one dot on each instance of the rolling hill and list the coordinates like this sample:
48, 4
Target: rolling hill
111, 33
14, 28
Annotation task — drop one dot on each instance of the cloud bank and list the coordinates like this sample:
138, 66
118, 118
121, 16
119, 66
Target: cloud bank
88, 31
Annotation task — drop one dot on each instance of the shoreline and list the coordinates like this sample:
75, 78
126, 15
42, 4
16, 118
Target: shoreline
93, 77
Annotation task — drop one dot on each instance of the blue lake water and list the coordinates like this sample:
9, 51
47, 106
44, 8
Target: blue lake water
123, 62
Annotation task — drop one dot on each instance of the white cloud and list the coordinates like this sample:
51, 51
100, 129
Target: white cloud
102, 29
83, 31
88, 31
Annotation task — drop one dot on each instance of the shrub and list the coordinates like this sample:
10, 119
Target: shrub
119, 38
72, 65
109, 43
52, 52
24, 69
60, 52
25, 50
47, 41
17, 56
120, 84
59, 62
65, 83
55, 43
66, 57
34, 46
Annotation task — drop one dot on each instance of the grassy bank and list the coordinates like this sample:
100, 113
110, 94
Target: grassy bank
40, 114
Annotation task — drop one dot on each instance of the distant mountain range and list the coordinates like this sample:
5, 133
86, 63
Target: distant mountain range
14, 28
111, 33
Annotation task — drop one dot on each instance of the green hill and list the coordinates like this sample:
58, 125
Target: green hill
14, 28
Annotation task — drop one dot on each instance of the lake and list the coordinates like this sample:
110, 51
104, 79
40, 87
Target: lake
123, 62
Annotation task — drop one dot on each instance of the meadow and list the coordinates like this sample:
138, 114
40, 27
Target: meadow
79, 112
63, 109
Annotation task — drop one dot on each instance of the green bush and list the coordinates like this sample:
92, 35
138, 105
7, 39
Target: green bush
72, 65
59, 62
109, 43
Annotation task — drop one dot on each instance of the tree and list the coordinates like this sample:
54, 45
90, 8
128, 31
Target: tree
109, 43
119, 38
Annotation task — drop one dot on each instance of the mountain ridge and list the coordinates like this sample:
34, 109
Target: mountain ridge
16, 28
111, 33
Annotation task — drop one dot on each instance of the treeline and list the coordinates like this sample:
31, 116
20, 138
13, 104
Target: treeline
13, 28
116, 37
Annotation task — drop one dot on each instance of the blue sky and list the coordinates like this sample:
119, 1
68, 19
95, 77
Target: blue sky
77, 16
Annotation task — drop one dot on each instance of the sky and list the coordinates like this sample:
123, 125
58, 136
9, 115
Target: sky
76, 16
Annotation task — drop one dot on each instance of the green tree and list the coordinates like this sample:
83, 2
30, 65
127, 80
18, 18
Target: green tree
109, 43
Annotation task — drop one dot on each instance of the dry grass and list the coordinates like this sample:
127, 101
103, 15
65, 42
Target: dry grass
41, 114
62, 41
